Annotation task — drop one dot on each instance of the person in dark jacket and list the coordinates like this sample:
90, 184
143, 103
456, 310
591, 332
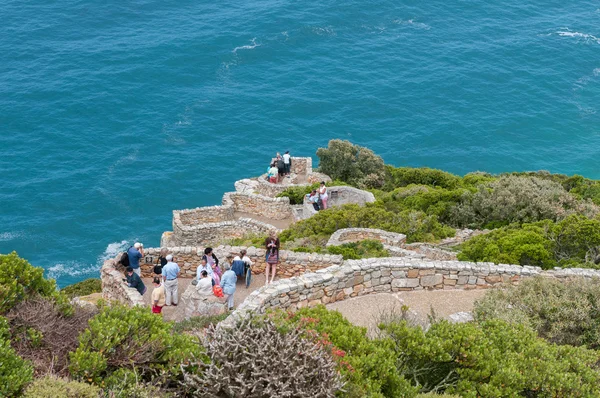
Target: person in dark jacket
134, 280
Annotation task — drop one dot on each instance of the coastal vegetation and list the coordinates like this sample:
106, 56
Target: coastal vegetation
535, 218
83, 288
118, 351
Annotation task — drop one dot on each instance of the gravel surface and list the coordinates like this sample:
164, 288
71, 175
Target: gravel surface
368, 311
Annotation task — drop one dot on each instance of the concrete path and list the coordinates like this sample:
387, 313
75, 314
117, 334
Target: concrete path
368, 311
171, 313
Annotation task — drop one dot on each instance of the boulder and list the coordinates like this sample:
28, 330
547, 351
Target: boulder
195, 304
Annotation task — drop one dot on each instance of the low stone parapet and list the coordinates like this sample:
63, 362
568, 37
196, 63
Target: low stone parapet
194, 304
290, 263
347, 235
209, 234
377, 275
113, 287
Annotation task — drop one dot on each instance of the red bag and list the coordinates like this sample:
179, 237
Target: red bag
218, 291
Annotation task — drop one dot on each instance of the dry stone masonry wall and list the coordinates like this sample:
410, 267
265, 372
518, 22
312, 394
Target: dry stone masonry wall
113, 287
213, 233
347, 235
291, 263
368, 276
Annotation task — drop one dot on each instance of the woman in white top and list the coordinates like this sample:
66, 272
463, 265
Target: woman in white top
204, 285
204, 267
323, 195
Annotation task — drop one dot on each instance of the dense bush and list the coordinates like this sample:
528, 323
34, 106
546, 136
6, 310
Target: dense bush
54, 387
44, 335
297, 193
356, 165
368, 366
121, 336
363, 249
417, 226
404, 176
513, 199
19, 280
492, 359
197, 323
574, 241
126, 383
83, 288
562, 312
15, 372
254, 359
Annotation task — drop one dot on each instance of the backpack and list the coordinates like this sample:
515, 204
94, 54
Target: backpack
280, 164
218, 291
124, 260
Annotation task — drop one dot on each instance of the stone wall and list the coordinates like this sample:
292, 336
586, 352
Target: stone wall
341, 195
291, 263
360, 277
113, 287
210, 234
201, 215
346, 235
259, 205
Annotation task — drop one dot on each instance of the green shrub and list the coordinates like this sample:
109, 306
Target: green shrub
83, 288
574, 241
19, 280
404, 176
297, 193
126, 383
368, 366
197, 323
15, 372
417, 226
122, 336
247, 240
562, 312
492, 359
513, 199
430, 200
363, 249
356, 165
54, 387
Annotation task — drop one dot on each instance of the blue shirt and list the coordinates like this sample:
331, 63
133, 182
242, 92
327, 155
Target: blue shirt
134, 257
170, 270
208, 270
228, 282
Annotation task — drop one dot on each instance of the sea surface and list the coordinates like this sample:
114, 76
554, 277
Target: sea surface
114, 113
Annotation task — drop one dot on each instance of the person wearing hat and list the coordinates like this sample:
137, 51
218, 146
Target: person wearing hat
134, 280
170, 273
135, 253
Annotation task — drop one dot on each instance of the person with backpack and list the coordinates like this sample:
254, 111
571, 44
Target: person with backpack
280, 168
134, 254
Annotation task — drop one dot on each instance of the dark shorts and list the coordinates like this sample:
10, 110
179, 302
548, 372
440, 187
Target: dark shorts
287, 168
281, 171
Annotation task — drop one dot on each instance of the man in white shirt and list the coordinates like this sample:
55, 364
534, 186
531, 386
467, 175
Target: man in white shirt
287, 163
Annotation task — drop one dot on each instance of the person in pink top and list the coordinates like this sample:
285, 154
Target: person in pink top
323, 195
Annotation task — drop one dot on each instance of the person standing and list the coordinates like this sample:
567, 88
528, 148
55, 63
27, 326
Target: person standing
273, 172
287, 163
134, 280
213, 263
170, 273
162, 261
158, 296
323, 195
272, 256
280, 168
228, 285
135, 253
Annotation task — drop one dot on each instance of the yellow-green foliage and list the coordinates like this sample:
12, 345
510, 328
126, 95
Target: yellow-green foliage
15, 372
55, 387
19, 279
83, 288
562, 312
122, 336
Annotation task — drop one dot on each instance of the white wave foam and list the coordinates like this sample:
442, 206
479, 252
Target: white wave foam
323, 31
412, 23
585, 37
247, 47
73, 268
6, 236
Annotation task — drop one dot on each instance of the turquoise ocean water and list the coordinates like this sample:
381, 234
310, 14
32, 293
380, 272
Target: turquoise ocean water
112, 114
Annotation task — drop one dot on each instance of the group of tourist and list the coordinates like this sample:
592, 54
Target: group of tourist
211, 278
280, 168
318, 197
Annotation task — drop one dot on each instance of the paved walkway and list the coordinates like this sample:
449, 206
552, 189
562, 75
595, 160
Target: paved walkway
368, 311
280, 224
171, 313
